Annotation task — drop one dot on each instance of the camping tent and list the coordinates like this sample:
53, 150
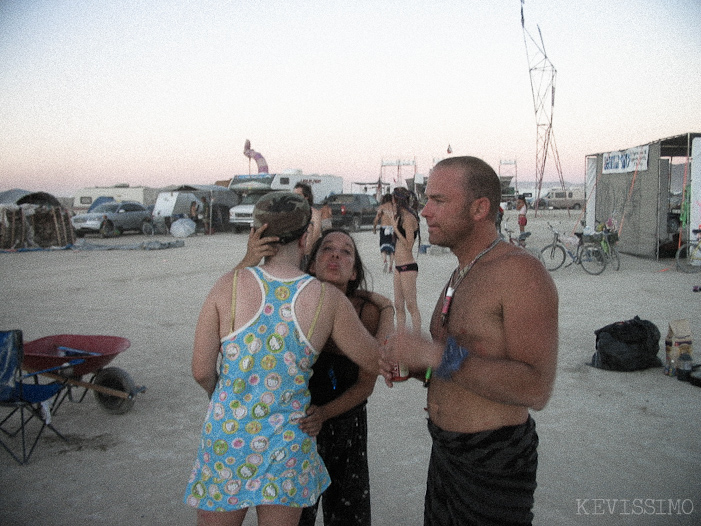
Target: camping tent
33, 219
220, 199
632, 189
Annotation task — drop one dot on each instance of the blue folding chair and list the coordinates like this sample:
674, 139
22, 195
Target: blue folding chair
28, 400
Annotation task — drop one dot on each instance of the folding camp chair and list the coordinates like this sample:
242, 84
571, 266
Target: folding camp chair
28, 400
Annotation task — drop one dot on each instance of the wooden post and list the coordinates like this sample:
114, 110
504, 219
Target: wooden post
58, 232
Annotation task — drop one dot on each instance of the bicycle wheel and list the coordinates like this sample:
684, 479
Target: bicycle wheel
592, 259
689, 258
553, 257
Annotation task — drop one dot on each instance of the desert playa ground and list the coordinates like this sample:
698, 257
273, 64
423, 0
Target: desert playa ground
615, 448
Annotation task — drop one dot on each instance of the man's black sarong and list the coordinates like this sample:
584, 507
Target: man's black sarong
485, 478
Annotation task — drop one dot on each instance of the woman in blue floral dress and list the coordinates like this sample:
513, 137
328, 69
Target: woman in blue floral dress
255, 343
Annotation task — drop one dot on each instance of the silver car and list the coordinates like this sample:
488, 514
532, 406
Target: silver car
113, 218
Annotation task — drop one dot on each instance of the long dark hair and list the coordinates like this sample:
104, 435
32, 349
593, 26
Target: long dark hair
306, 192
359, 281
407, 200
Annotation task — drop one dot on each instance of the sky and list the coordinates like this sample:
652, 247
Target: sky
96, 93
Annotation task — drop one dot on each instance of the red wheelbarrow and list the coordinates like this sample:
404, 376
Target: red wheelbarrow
113, 387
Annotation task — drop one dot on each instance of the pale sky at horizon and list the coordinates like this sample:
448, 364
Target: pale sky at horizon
94, 93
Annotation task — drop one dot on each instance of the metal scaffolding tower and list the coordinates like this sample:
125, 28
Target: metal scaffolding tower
398, 163
543, 74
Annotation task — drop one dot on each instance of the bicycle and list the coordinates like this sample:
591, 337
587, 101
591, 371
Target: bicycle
689, 255
153, 227
520, 240
589, 255
608, 247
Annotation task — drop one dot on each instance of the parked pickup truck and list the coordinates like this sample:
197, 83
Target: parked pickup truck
352, 210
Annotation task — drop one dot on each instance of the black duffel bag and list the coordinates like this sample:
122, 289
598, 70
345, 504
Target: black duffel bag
629, 345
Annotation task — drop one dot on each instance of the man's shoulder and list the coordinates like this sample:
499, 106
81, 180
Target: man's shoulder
516, 264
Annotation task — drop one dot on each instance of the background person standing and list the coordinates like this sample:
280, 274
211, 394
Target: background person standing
522, 208
314, 232
406, 270
385, 219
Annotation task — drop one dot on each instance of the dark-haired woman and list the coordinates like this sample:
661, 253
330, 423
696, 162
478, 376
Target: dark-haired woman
406, 270
337, 415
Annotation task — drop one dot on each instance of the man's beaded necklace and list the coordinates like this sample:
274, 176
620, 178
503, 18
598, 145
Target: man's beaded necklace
456, 278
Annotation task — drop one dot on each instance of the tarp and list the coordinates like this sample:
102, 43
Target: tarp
82, 245
183, 227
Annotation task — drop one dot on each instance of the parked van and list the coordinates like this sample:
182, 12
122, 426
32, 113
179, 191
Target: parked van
173, 205
568, 198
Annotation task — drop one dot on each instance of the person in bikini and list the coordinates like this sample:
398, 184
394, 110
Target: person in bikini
522, 208
385, 219
406, 270
492, 356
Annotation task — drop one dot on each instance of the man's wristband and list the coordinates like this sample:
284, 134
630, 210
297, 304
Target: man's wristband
453, 357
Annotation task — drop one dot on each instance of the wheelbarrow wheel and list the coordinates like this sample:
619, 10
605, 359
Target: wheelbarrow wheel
114, 378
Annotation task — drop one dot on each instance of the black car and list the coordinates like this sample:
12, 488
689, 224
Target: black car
352, 210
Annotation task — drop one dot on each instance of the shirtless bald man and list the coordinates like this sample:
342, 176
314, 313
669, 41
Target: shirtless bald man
492, 357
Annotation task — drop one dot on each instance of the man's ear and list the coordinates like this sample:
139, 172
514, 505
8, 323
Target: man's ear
480, 208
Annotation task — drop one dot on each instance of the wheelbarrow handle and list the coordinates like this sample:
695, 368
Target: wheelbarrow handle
77, 352
89, 385
57, 368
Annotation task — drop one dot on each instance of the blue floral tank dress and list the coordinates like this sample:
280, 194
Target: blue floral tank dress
251, 451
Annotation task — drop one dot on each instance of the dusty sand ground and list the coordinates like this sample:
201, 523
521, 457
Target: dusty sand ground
610, 436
